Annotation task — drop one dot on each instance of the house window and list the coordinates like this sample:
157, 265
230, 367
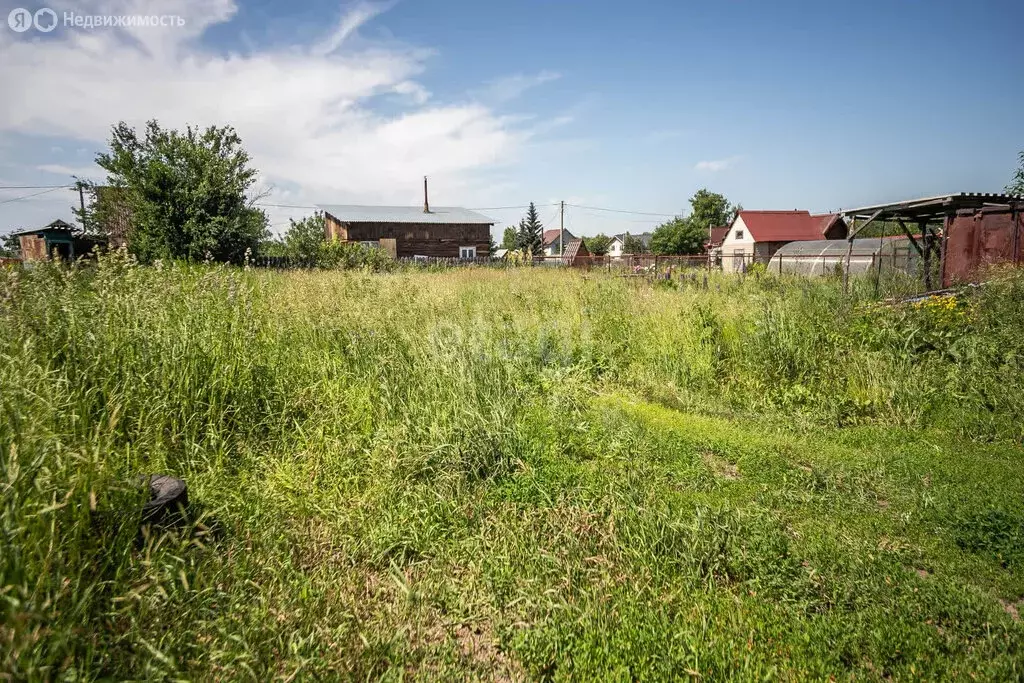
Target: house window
739, 234
467, 252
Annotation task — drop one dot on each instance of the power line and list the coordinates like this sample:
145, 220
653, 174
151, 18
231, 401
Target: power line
286, 206
638, 213
34, 194
33, 187
644, 221
501, 208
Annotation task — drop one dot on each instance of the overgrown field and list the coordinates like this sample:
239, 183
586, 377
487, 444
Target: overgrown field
516, 474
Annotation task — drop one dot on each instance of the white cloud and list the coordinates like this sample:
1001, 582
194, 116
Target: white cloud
717, 165
511, 87
306, 114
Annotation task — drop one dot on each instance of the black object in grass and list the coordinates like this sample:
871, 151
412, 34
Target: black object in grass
168, 501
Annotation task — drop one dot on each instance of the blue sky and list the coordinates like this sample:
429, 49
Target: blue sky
625, 105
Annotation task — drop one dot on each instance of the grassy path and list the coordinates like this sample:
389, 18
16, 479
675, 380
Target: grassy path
644, 542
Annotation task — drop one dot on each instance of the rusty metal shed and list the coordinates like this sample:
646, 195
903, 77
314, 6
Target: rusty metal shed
965, 232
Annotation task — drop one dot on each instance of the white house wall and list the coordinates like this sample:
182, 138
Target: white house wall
734, 248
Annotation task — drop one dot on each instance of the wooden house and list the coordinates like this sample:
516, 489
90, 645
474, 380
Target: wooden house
410, 231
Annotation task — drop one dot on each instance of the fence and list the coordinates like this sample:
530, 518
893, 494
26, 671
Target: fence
894, 272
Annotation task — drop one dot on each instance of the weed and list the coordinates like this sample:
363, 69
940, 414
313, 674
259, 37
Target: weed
506, 474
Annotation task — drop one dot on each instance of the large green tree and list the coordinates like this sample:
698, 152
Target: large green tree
188, 192
710, 209
530, 237
689, 235
679, 236
1016, 185
599, 244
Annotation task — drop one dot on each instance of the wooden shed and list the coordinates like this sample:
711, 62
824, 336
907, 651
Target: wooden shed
59, 240
576, 254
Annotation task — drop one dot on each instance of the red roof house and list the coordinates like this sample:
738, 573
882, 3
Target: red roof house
755, 236
551, 241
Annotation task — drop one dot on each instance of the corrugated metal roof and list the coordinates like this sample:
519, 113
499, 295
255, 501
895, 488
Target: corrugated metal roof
938, 203
404, 214
56, 225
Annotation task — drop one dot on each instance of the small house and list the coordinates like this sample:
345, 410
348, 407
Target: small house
552, 246
755, 236
617, 247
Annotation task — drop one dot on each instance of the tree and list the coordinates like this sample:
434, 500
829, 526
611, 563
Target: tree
186, 192
530, 237
1016, 185
631, 244
709, 209
689, 235
508, 240
304, 240
679, 236
599, 244
10, 246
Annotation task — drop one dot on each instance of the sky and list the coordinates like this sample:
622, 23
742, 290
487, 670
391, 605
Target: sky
609, 105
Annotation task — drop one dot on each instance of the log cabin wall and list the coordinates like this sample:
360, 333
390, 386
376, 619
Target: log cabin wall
415, 239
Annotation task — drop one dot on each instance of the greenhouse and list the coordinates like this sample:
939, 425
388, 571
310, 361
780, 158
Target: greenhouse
824, 257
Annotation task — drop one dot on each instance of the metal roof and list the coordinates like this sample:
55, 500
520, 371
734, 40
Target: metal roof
786, 226
935, 205
56, 225
347, 213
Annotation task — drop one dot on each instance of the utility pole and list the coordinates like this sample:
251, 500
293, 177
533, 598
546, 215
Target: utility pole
561, 228
81, 201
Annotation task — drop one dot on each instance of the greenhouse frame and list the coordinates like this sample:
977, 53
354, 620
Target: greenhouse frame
825, 257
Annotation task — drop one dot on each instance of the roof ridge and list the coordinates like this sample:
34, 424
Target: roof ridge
775, 211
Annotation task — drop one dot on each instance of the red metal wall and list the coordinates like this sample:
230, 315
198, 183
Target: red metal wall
979, 239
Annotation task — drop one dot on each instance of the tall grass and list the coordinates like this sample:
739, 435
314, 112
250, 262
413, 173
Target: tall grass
506, 474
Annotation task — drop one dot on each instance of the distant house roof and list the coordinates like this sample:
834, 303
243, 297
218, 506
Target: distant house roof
787, 226
451, 215
551, 237
718, 234
500, 253
644, 237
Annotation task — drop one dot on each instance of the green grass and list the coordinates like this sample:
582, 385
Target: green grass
515, 474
